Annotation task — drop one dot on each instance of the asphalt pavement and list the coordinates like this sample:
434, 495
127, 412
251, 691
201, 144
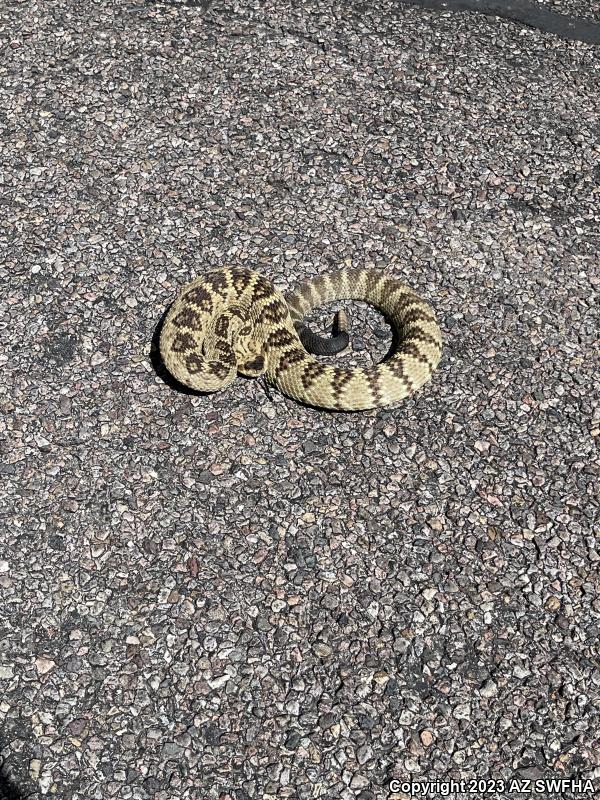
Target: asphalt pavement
234, 596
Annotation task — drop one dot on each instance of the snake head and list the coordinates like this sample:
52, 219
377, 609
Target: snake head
248, 351
253, 367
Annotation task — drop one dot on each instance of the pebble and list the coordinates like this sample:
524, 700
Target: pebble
322, 649
44, 665
489, 689
427, 738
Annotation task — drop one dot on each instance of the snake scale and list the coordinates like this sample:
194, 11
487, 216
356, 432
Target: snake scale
234, 320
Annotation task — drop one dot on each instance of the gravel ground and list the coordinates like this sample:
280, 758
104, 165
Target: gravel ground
234, 596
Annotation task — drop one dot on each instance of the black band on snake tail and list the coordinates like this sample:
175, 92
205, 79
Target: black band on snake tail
322, 346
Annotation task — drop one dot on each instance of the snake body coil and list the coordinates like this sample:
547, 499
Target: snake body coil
234, 320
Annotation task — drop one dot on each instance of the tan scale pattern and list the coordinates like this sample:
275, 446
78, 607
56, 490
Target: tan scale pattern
234, 320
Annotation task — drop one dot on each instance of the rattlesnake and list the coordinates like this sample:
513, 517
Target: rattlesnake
234, 320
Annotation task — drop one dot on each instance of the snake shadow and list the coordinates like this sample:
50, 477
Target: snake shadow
9, 789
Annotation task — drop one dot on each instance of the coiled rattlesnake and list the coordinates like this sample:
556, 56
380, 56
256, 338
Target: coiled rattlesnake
234, 320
